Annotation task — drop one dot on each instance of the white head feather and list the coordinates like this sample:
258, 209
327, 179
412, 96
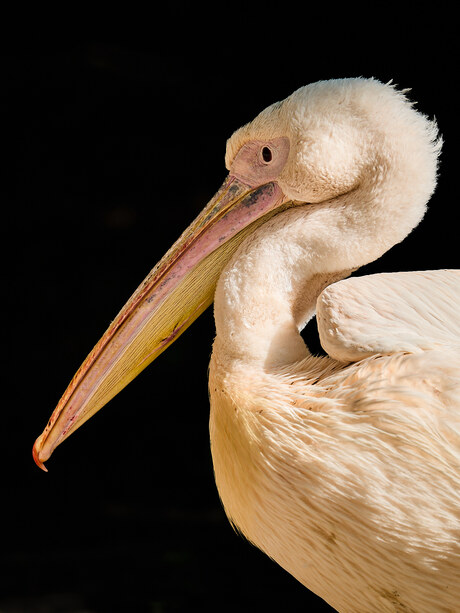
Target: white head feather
352, 134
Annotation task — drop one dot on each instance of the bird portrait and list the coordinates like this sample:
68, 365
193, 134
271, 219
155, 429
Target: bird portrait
341, 465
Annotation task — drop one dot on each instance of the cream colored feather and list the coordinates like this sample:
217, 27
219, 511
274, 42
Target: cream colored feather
344, 469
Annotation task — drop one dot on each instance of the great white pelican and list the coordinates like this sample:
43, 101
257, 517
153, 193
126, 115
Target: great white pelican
345, 469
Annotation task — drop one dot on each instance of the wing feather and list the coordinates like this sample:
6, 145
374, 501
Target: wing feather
388, 313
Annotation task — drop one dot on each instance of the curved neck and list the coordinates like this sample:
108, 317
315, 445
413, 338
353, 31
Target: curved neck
268, 290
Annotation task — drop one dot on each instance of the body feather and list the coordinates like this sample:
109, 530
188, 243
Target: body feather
344, 469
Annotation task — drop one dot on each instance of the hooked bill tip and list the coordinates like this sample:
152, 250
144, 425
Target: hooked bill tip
36, 456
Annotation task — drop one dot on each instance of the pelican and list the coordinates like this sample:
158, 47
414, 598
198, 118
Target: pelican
343, 468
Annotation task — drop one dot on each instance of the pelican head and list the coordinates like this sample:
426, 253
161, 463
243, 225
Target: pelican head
346, 135
355, 146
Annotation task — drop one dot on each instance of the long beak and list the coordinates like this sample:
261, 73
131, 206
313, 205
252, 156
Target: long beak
173, 295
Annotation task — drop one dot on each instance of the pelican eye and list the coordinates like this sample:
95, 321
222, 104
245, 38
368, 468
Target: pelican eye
267, 155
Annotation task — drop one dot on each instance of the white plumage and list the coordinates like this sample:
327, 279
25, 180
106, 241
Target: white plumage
344, 469
389, 313
347, 475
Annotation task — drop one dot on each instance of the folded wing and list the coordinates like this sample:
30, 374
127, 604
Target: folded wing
388, 313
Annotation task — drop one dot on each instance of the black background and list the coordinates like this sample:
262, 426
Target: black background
111, 144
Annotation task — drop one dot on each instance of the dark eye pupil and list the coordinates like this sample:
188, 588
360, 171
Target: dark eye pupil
266, 154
